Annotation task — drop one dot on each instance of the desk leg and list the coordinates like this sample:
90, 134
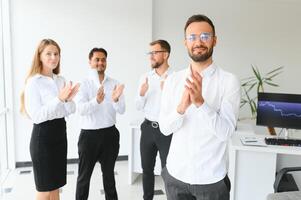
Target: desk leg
231, 171
134, 153
131, 177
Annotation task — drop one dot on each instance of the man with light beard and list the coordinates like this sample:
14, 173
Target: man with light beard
99, 100
200, 106
148, 100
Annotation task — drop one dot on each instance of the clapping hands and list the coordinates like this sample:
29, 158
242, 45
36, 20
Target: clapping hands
68, 91
144, 88
192, 93
117, 92
100, 95
194, 87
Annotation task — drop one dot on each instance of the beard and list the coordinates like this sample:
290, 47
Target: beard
100, 69
156, 65
201, 57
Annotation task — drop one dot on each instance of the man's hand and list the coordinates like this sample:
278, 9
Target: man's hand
144, 88
185, 102
194, 86
117, 92
100, 95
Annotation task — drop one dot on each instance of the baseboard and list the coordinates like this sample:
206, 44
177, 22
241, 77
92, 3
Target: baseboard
69, 161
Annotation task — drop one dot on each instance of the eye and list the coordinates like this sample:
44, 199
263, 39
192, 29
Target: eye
205, 36
191, 37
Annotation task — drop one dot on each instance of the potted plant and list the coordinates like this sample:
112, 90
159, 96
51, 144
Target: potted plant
254, 84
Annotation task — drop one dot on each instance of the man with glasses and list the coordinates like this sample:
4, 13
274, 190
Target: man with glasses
200, 106
148, 101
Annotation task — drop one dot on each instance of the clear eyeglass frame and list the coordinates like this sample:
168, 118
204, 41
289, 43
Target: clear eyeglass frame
151, 53
204, 37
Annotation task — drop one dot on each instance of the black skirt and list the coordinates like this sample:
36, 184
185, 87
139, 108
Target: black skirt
48, 150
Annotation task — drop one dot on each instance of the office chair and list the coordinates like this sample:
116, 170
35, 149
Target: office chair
285, 192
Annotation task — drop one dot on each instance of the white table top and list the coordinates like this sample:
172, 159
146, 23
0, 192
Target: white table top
236, 144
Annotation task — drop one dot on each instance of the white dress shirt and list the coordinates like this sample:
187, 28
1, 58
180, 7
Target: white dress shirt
92, 114
197, 153
150, 103
41, 98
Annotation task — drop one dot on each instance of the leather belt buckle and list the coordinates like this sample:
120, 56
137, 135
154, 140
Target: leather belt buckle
155, 124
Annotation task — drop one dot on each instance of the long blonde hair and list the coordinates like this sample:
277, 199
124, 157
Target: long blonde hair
36, 66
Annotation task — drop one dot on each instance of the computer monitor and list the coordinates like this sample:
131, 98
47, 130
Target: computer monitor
279, 110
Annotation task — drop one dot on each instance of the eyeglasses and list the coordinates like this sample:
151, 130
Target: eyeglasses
151, 53
204, 37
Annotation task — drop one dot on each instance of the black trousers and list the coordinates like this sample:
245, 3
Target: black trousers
101, 145
178, 190
152, 141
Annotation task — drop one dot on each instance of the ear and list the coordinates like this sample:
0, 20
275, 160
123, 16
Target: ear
214, 41
166, 55
185, 43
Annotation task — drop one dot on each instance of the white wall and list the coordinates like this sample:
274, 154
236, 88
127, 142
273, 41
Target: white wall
123, 28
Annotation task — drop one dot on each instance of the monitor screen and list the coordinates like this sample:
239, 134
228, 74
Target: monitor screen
279, 110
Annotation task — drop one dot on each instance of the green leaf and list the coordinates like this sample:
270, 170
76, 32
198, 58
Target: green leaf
273, 75
248, 78
255, 71
277, 69
272, 84
251, 87
256, 81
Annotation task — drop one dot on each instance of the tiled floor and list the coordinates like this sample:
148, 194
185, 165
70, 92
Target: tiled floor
21, 184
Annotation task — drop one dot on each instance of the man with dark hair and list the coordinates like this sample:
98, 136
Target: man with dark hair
200, 106
99, 99
148, 101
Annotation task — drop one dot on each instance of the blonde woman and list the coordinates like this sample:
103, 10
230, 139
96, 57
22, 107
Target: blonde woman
47, 99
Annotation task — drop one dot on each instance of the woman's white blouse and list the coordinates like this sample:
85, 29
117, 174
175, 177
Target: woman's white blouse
41, 99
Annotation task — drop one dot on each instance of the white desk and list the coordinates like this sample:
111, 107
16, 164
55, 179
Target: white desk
252, 169
134, 154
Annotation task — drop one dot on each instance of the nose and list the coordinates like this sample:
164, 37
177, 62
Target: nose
198, 41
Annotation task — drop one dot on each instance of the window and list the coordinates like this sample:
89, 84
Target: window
6, 120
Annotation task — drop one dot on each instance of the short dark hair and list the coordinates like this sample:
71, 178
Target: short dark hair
97, 50
163, 43
199, 18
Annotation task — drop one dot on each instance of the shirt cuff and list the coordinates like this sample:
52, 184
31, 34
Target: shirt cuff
115, 104
70, 107
205, 108
177, 116
94, 102
141, 98
57, 101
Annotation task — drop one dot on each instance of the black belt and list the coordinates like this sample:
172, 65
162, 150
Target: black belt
152, 123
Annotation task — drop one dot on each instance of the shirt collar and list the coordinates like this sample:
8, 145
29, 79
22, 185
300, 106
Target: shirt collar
167, 72
93, 75
209, 71
54, 76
